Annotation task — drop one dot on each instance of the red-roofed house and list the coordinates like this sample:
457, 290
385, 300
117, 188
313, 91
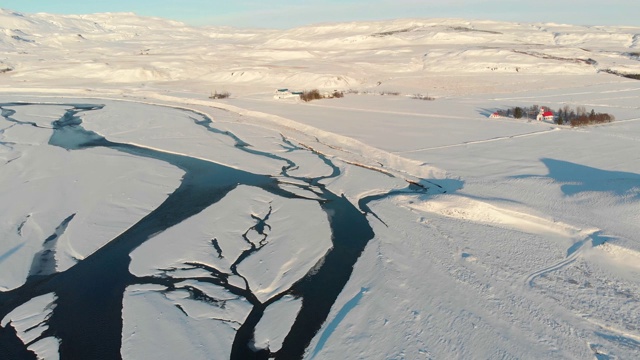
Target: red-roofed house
545, 114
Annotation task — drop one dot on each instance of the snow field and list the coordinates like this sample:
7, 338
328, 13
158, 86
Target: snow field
531, 253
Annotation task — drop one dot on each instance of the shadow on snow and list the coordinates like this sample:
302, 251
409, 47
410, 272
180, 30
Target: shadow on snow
576, 178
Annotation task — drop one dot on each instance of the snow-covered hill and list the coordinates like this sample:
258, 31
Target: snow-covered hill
122, 48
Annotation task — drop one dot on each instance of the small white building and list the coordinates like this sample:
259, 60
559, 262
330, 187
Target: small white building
495, 115
284, 94
545, 114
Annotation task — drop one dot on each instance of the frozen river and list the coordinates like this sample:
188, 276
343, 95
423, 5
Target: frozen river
87, 316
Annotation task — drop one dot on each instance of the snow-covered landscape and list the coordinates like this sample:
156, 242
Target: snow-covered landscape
142, 219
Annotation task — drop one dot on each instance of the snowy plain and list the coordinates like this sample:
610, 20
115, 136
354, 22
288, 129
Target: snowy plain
524, 244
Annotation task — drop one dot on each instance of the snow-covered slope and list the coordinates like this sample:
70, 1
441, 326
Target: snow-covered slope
126, 49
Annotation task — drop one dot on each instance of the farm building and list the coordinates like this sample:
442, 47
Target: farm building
545, 114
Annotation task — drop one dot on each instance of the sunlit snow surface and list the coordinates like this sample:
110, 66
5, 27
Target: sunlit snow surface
224, 245
522, 244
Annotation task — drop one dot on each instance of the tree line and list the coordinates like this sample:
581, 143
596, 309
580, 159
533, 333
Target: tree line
580, 117
564, 115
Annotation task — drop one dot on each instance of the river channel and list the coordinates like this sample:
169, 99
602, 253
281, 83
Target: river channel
87, 318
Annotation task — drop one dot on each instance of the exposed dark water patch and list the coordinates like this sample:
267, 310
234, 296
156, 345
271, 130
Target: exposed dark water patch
11, 347
216, 245
181, 309
44, 261
199, 295
413, 188
288, 145
6, 144
8, 113
88, 314
22, 224
11, 160
20, 38
207, 123
259, 228
320, 288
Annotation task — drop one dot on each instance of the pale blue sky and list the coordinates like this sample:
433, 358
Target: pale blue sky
290, 13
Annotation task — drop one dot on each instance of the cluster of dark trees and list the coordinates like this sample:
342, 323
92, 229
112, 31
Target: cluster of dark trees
311, 95
627, 75
580, 116
316, 95
564, 115
219, 95
520, 112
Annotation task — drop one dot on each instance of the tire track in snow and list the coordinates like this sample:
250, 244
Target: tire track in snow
482, 212
557, 266
479, 141
533, 97
593, 239
442, 116
438, 116
621, 122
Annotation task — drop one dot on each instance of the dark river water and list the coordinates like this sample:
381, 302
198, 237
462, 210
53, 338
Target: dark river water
87, 318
